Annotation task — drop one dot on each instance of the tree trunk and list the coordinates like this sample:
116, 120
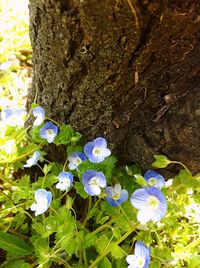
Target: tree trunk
127, 70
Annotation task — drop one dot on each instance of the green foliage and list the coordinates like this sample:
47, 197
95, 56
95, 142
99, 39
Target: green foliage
15, 263
14, 245
67, 135
78, 230
82, 230
161, 161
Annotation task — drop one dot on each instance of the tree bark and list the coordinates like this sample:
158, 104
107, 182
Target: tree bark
122, 69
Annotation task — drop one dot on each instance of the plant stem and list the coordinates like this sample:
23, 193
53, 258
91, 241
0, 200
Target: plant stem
179, 163
186, 248
88, 211
106, 251
103, 254
107, 224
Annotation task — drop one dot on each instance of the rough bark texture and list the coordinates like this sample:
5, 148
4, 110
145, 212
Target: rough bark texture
126, 70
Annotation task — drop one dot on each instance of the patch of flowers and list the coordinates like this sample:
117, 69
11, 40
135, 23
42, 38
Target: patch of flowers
87, 211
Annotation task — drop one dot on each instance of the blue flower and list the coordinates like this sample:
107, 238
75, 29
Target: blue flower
115, 195
154, 179
75, 159
38, 112
13, 117
65, 180
33, 159
49, 131
43, 199
140, 258
93, 181
151, 204
97, 150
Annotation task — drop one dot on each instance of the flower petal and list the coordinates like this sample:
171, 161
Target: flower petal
141, 250
130, 259
123, 196
49, 131
144, 215
109, 190
92, 190
43, 199
139, 197
88, 175
153, 177
38, 112
33, 159
101, 179
100, 142
88, 149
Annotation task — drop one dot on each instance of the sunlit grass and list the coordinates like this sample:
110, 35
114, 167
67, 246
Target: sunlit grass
15, 53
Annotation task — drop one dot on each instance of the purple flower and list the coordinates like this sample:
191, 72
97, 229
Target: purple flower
97, 150
65, 180
13, 117
115, 195
76, 159
49, 131
151, 204
140, 258
93, 181
154, 179
43, 199
38, 112
33, 159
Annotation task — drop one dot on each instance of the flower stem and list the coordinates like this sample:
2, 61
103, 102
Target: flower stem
188, 247
184, 166
88, 211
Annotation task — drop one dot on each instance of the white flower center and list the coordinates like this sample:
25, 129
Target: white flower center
94, 181
66, 182
140, 262
116, 195
49, 131
152, 181
153, 202
41, 203
96, 151
78, 161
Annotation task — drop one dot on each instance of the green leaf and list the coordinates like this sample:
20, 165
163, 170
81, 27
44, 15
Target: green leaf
194, 262
22, 189
116, 250
40, 229
187, 179
140, 180
66, 135
80, 190
14, 245
15, 263
161, 161
155, 264
163, 252
41, 246
106, 166
105, 263
89, 240
102, 244
47, 168
35, 135
45, 182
